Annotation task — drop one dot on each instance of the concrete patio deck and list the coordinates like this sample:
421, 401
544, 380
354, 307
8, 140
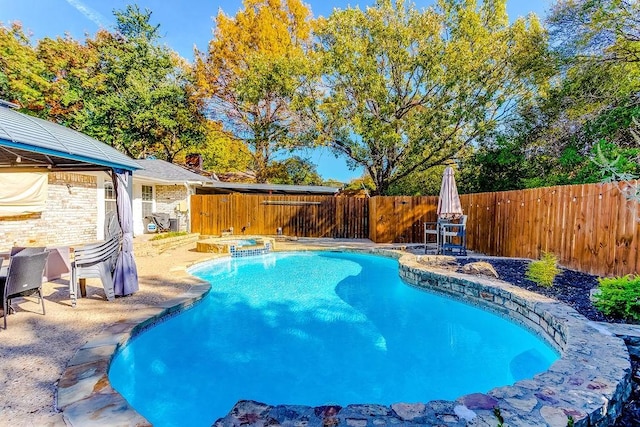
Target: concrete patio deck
35, 349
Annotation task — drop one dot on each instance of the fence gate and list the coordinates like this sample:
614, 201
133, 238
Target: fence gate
302, 216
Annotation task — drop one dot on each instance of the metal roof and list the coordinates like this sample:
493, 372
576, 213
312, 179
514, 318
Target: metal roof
163, 171
244, 187
29, 142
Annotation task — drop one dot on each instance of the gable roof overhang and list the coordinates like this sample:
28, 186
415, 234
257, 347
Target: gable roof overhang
30, 143
165, 173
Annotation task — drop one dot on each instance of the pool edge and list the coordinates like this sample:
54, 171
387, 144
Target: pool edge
84, 394
589, 383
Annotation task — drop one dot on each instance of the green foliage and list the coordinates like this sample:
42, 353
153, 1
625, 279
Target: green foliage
222, 152
419, 183
143, 103
570, 421
124, 88
605, 28
543, 271
169, 235
22, 74
70, 69
588, 105
533, 155
619, 297
363, 184
293, 171
407, 90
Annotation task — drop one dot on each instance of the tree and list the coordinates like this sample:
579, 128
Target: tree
589, 106
22, 74
222, 152
69, 69
602, 31
293, 171
599, 45
143, 102
251, 75
407, 90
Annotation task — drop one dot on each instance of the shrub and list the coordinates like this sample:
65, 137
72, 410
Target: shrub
544, 270
169, 234
619, 297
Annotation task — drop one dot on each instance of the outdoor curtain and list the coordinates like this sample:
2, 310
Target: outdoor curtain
22, 193
125, 278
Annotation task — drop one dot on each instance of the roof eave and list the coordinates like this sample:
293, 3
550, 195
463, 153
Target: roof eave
131, 166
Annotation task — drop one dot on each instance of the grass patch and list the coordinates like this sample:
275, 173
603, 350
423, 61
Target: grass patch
169, 234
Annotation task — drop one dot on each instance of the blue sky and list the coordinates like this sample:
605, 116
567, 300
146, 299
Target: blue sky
185, 24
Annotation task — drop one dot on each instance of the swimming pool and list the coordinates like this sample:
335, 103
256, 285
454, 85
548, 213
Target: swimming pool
317, 328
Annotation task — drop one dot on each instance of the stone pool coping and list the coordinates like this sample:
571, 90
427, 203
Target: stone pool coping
589, 383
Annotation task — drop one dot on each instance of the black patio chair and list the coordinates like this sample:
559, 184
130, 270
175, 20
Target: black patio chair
26, 250
24, 278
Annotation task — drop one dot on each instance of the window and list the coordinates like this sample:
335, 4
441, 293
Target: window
147, 200
109, 198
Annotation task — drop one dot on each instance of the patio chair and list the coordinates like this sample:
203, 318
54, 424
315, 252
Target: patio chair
458, 231
24, 278
94, 260
111, 225
161, 220
26, 250
432, 229
23, 250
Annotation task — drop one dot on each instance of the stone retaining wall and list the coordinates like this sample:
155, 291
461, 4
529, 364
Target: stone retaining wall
591, 380
588, 384
155, 247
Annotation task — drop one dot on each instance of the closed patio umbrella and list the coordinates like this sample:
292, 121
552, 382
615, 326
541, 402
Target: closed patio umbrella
125, 276
449, 206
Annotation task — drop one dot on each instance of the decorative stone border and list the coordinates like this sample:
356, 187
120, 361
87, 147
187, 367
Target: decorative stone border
588, 384
84, 393
155, 247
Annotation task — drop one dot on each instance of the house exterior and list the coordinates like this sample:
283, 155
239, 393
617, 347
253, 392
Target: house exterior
163, 187
76, 203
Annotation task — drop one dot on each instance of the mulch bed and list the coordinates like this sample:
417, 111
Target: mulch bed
570, 287
573, 288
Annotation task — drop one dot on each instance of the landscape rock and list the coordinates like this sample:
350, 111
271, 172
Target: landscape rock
480, 268
438, 260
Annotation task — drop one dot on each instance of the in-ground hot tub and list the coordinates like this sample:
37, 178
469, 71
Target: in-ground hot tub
236, 247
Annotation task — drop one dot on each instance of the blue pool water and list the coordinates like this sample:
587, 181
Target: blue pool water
239, 242
317, 328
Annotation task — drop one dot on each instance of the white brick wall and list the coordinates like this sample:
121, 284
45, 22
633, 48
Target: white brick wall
70, 215
168, 197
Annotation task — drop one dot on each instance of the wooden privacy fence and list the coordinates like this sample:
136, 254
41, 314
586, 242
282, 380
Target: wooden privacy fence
304, 216
591, 228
